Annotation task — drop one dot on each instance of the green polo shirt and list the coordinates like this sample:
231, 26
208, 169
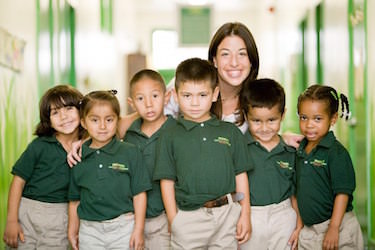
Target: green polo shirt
107, 179
326, 171
45, 170
147, 146
202, 158
272, 178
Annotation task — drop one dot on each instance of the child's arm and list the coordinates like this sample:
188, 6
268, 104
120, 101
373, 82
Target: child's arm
13, 229
244, 223
124, 123
331, 239
169, 200
73, 224
293, 240
140, 204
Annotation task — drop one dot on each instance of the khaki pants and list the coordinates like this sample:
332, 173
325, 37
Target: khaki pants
157, 236
272, 225
108, 234
45, 225
350, 236
206, 228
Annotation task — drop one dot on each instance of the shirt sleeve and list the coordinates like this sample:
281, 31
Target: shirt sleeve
240, 155
25, 165
341, 171
74, 190
164, 163
140, 178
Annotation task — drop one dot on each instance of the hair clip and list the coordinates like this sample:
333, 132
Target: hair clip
113, 91
80, 102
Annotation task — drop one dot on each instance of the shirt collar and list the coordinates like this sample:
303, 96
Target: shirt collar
281, 146
188, 125
51, 138
110, 148
135, 127
325, 142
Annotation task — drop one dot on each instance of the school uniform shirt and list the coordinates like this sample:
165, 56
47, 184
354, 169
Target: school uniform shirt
45, 170
203, 160
272, 179
147, 145
107, 179
322, 174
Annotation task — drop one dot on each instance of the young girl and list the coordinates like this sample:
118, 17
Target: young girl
37, 203
325, 175
109, 185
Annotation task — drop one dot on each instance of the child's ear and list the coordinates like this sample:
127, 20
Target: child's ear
334, 119
167, 96
130, 102
283, 115
216, 94
83, 124
174, 93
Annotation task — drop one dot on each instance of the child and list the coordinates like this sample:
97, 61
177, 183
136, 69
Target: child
38, 202
274, 213
325, 175
107, 183
201, 163
148, 97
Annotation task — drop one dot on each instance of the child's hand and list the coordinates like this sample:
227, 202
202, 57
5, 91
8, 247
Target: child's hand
243, 228
293, 239
73, 240
74, 156
331, 239
12, 232
137, 240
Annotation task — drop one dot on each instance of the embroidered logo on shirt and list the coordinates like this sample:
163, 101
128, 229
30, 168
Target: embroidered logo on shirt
284, 164
222, 140
118, 167
318, 163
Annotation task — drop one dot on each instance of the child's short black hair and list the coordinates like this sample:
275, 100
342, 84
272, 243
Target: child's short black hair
197, 70
262, 93
59, 96
329, 95
147, 74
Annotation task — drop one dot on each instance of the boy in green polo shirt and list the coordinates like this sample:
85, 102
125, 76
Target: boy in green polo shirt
325, 174
148, 97
201, 164
274, 212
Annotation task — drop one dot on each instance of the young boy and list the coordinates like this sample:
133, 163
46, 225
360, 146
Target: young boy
274, 213
148, 97
201, 164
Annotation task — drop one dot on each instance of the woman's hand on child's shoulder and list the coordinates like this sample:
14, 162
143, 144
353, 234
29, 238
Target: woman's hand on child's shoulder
74, 156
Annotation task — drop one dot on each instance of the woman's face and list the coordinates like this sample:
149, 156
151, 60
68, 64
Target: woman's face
232, 61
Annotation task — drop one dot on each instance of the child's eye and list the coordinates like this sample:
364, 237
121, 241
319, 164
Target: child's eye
155, 95
186, 95
204, 95
140, 98
302, 118
318, 119
93, 119
110, 120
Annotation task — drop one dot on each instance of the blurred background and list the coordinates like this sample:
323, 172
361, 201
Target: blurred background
100, 44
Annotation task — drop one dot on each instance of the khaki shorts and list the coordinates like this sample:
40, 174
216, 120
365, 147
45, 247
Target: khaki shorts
206, 228
350, 235
108, 234
157, 236
272, 226
45, 225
